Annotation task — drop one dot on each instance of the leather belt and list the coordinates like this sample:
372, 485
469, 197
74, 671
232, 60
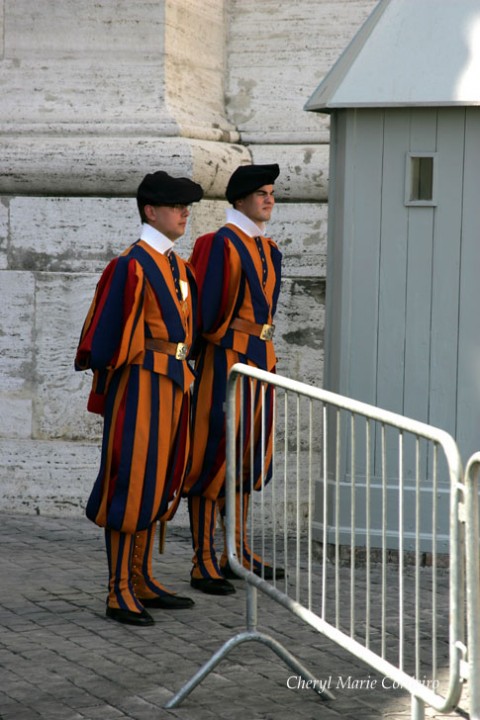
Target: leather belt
264, 332
178, 350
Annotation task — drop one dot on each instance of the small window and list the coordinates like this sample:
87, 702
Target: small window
420, 179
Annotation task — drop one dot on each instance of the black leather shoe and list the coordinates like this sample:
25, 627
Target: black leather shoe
143, 619
167, 602
228, 572
212, 586
268, 572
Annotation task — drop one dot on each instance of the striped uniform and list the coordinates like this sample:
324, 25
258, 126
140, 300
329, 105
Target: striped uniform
138, 391
238, 276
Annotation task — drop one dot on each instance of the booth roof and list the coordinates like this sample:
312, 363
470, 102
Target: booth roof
408, 53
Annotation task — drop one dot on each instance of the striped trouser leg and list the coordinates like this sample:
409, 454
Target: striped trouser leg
249, 559
203, 517
144, 583
121, 593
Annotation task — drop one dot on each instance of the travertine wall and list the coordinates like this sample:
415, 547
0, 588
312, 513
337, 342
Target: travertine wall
94, 96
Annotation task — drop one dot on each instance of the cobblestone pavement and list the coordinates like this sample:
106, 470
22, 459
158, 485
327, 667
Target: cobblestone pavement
61, 659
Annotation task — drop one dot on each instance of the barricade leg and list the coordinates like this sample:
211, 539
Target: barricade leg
418, 709
251, 634
473, 584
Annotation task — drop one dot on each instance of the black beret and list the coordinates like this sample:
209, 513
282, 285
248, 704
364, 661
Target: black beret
160, 188
248, 178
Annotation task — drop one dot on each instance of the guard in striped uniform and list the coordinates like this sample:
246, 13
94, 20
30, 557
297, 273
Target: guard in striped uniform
136, 338
238, 271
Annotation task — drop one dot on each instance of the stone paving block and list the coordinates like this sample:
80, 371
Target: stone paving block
137, 708
102, 712
15, 712
58, 711
191, 713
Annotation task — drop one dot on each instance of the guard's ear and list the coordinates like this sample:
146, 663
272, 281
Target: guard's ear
150, 213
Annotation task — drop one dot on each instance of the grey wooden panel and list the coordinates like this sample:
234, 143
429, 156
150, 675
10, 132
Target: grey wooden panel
393, 264
418, 313
409, 544
446, 268
393, 272
468, 382
366, 165
352, 272
335, 270
339, 270
373, 496
398, 272
419, 281
423, 130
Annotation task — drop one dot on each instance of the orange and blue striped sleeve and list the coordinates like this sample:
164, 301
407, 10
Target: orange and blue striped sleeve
112, 334
218, 273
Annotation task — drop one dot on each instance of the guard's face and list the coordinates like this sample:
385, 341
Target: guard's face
171, 220
258, 205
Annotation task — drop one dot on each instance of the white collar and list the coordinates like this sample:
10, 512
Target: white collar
157, 240
235, 217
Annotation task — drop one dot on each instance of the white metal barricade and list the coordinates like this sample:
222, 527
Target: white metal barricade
473, 583
352, 513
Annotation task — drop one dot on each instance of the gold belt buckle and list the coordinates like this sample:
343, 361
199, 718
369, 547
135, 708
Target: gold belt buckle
268, 331
182, 351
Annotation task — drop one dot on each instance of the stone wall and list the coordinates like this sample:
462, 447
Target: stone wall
94, 96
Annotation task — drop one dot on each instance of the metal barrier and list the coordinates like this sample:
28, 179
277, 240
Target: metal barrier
366, 561
473, 583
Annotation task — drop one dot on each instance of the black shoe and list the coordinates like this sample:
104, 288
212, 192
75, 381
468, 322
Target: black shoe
228, 572
267, 569
142, 619
268, 572
212, 586
168, 602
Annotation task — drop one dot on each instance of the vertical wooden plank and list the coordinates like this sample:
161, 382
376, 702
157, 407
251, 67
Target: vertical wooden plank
364, 163
446, 268
468, 379
366, 167
337, 316
393, 264
419, 281
393, 278
334, 321
353, 258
